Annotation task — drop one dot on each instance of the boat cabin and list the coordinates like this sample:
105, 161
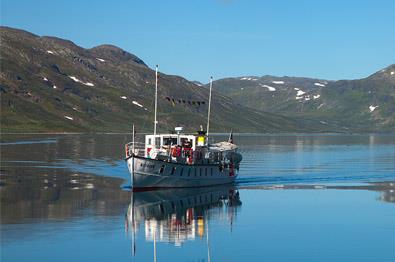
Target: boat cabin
171, 141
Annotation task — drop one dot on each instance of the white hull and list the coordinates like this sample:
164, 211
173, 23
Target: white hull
151, 173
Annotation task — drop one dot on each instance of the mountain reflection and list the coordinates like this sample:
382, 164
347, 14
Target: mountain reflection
178, 215
57, 194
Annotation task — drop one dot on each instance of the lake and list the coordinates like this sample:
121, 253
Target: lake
323, 197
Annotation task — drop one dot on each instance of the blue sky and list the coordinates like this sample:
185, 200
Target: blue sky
336, 39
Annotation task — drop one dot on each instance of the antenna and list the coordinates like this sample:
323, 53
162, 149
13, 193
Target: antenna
209, 107
156, 97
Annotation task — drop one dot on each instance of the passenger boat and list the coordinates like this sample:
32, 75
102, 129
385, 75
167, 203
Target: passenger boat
181, 160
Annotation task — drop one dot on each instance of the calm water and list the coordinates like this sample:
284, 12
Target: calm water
298, 198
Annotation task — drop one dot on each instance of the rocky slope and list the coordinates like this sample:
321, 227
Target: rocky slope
49, 84
351, 105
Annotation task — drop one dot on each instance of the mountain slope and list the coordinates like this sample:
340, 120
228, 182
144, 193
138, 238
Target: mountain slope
356, 105
49, 84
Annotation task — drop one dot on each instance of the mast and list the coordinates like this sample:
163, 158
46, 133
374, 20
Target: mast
209, 107
133, 158
156, 97
133, 140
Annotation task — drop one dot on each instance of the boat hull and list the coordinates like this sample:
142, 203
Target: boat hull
152, 173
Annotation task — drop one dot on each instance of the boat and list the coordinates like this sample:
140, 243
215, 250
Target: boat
181, 160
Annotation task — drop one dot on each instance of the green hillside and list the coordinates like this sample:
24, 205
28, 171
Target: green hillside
52, 85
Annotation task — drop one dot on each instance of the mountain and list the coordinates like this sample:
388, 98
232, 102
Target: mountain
48, 84
361, 105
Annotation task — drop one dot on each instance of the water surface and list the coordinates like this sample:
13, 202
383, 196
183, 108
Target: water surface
298, 198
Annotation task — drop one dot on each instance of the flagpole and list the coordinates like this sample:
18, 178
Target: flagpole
209, 107
156, 97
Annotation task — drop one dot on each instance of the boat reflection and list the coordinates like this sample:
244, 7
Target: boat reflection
179, 215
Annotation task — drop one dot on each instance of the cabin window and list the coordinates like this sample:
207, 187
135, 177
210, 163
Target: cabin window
195, 171
205, 171
162, 168
149, 141
211, 171
189, 172
173, 170
167, 141
182, 171
157, 142
186, 142
200, 171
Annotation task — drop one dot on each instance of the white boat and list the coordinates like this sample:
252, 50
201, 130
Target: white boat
181, 160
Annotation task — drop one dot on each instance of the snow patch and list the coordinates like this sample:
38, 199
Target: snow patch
69, 117
318, 107
298, 97
307, 98
100, 59
296, 88
54, 87
249, 78
372, 108
137, 103
124, 97
392, 72
300, 93
50, 52
75, 79
270, 88
323, 122
278, 82
242, 88
316, 96
45, 79
319, 84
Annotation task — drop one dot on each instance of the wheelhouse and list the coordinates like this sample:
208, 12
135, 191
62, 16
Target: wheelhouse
167, 141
